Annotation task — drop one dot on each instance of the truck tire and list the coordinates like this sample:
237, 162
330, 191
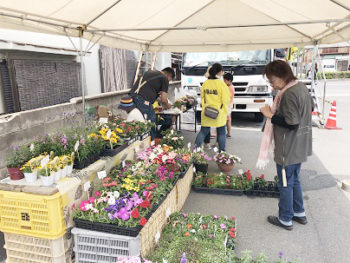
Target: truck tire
258, 117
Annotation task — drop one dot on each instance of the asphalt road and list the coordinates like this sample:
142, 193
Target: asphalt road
326, 238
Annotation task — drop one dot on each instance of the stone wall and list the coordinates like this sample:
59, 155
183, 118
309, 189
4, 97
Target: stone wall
21, 127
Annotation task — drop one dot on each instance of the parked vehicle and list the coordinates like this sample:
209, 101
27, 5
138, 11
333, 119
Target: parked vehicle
251, 88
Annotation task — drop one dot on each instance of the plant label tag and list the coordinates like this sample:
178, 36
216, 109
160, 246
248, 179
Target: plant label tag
31, 147
87, 186
152, 143
101, 174
76, 146
137, 149
189, 145
123, 164
44, 161
194, 169
215, 149
168, 212
156, 237
109, 133
103, 120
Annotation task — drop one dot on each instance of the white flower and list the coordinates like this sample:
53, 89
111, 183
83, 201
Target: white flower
116, 194
240, 171
111, 200
181, 138
152, 156
193, 231
175, 138
164, 158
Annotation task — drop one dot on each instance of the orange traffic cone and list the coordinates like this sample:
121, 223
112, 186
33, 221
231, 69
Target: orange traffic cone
332, 118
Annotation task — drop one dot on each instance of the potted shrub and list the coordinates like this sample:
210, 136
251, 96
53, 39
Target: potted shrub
19, 157
226, 161
200, 161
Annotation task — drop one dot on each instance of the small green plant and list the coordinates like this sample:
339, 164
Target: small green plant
19, 157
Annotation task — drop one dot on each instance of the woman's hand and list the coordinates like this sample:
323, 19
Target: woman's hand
266, 111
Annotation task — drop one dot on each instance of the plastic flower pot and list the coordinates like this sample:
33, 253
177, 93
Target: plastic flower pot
47, 180
225, 168
69, 170
64, 172
201, 167
57, 175
15, 173
31, 177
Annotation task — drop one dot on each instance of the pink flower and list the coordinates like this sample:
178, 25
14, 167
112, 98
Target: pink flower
262, 176
92, 199
185, 215
83, 204
97, 193
216, 217
222, 226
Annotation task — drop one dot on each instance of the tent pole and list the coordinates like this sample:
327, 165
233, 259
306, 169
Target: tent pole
82, 71
138, 67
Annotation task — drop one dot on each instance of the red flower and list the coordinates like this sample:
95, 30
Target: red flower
143, 221
249, 177
262, 176
135, 213
233, 229
204, 226
145, 204
232, 234
123, 125
233, 218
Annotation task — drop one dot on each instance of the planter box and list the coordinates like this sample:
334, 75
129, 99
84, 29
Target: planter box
93, 246
183, 188
144, 136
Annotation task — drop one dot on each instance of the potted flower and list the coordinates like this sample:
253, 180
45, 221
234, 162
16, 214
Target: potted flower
172, 138
200, 160
19, 157
29, 171
260, 183
226, 161
55, 168
46, 176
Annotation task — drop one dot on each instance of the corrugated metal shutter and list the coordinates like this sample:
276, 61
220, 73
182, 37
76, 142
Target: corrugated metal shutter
6, 86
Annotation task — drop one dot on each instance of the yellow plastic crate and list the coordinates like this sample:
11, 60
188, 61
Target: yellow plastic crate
33, 215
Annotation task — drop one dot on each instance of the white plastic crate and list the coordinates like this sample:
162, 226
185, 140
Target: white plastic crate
26, 249
99, 247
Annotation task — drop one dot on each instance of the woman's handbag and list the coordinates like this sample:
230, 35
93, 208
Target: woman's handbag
210, 111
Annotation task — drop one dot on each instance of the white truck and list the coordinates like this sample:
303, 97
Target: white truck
251, 88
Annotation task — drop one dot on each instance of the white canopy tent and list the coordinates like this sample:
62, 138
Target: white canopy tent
183, 25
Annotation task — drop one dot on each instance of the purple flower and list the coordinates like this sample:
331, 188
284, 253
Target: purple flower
82, 141
15, 147
216, 217
64, 140
123, 214
211, 236
280, 254
222, 226
111, 217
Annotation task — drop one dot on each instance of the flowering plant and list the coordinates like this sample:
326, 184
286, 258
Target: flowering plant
260, 182
226, 158
173, 139
200, 157
195, 238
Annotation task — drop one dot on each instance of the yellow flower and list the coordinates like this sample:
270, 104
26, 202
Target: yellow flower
113, 140
92, 135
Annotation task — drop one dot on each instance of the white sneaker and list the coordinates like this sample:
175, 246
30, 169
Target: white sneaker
207, 146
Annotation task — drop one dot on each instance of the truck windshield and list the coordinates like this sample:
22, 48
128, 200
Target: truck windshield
235, 58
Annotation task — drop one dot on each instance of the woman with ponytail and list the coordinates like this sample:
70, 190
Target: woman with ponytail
214, 94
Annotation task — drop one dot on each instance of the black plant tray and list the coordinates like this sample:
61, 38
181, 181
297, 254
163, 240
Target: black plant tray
217, 191
107, 228
130, 141
111, 152
85, 163
265, 193
143, 136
